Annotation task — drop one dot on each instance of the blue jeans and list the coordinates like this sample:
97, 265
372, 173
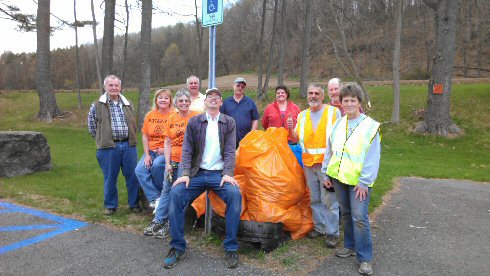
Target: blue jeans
111, 160
151, 179
354, 216
161, 214
324, 204
180, 196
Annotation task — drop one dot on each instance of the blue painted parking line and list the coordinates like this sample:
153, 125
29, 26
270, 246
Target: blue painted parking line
62, 225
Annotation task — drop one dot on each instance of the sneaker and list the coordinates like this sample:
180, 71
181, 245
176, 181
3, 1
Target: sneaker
366, 268
163, 232
136, 209
313, 234
174, 255
152, 204
231, 259
331, 241
152, 229
344, 253
109, 211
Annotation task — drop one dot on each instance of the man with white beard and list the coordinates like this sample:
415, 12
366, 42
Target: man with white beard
311, 131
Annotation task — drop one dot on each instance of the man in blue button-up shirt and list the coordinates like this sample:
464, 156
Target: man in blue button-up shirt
242, 109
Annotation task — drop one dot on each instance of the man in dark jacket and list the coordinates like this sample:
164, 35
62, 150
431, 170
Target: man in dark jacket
112, 123
208, 162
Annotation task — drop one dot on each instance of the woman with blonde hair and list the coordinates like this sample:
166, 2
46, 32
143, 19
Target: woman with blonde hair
151, 167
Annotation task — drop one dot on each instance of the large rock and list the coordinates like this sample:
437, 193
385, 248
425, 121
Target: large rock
23, 152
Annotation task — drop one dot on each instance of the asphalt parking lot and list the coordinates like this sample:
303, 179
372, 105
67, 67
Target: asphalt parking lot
425, 227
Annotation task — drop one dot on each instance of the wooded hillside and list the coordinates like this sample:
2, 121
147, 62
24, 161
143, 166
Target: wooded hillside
368, 26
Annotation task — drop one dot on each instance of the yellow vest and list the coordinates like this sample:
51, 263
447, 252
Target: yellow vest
349, 153
314, 143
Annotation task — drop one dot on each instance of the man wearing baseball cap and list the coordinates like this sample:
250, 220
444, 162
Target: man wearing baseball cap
242, 109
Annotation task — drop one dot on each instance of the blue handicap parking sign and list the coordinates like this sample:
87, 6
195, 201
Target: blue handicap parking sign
212, 6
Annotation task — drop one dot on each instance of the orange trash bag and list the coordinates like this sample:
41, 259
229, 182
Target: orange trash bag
271, 181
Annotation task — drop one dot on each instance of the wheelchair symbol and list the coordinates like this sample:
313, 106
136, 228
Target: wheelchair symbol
211, 8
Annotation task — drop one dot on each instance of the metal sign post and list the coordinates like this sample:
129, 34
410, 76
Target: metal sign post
212, 15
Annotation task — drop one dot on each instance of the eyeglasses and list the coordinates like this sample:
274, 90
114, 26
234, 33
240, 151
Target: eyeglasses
184, 100
214, 98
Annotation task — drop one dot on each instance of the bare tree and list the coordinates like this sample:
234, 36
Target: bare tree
395, 116
305, 56
467, 38
77, 58
261, 45
96, 46
199, 32
282, 44
48, 107
108, 39
271, 52
125, 46
438, 117
145, 59
343, 45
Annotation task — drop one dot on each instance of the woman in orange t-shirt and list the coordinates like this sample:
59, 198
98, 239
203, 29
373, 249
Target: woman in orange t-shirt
151, 167
174, 137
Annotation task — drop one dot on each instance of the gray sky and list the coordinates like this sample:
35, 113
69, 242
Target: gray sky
18, 42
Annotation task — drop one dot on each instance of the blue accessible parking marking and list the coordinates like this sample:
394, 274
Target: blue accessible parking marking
61, 225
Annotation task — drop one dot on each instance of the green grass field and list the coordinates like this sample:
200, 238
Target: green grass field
74, 186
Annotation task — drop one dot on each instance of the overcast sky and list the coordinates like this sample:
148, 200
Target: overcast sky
168, 12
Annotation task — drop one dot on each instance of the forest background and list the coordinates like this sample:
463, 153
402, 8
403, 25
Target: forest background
368, 26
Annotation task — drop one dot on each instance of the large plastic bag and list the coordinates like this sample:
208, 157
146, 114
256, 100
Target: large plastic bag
271, 181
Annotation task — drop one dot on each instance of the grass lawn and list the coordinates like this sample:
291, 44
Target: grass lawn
74, 186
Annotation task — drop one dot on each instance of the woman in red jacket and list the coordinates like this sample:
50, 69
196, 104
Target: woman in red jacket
276, 113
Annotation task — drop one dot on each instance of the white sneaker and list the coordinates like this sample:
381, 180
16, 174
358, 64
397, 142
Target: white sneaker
157, 202
152, 204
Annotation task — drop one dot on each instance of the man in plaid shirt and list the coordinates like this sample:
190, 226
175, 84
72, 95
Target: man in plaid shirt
112, 123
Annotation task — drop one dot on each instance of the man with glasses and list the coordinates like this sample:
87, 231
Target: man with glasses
207, 162
242, 109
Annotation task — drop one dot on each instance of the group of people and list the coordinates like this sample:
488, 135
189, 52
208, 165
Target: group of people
189, 143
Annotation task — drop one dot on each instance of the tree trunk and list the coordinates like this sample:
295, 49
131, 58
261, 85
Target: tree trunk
438, 117
271, 53
261, 45
125, 47
47, 100
282, 44
305, 56
77, 57
145, 59
467, 38
395, 116
480, 38
108, 39
96, 46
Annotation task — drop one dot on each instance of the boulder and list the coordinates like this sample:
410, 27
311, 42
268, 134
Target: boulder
23, 152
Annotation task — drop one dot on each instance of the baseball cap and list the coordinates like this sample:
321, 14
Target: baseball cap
213, 90
240, 79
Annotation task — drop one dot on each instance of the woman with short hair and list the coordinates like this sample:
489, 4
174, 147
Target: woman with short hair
351, 164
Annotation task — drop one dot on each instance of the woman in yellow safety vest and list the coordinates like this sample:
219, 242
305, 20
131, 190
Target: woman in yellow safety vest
351, 164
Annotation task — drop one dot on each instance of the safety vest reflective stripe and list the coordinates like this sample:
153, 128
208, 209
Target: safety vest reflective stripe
348, 155
313, 155
315, 151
